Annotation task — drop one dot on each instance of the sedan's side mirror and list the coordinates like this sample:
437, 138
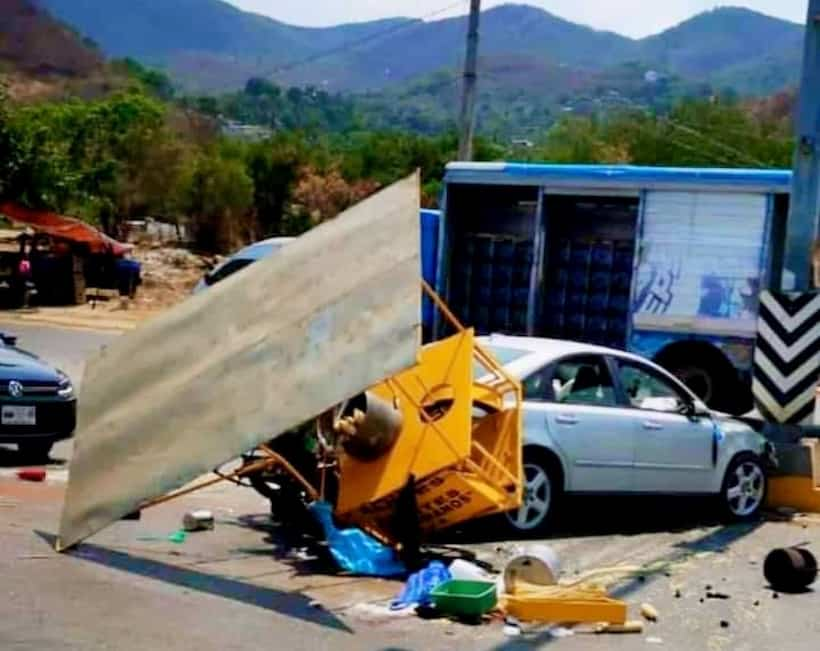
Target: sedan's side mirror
694, 409
701, 410
8, 340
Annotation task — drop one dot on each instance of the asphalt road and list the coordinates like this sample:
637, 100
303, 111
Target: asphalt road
66, 349
248, 584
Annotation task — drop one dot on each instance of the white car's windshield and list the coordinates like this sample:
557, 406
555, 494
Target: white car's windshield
504, 356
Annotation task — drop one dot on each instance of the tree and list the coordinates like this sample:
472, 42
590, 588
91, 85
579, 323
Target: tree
699, 133
274, 167
218, 195
10, 155
257, 87
153, 81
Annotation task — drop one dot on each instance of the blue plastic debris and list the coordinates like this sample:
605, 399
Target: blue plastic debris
353, 550
417, 590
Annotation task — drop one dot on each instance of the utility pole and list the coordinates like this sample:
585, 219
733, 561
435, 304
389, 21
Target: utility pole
468, 97
786, 366
802, 227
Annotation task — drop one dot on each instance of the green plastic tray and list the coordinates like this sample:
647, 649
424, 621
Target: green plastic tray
465, 598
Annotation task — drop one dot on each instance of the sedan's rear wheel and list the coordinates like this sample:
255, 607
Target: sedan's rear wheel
744, 488
541, 492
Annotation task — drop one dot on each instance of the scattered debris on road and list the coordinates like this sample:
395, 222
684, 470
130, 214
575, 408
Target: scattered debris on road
649, 612
32, 474
630, 627
201, 520
791, 569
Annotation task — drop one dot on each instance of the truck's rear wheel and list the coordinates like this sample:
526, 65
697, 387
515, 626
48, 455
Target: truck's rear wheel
709, 375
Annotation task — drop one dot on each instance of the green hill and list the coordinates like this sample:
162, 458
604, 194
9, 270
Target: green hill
405, 73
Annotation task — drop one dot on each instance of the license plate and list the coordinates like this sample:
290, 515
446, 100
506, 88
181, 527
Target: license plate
14, 415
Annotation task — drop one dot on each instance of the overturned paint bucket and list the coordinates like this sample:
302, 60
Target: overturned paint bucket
534, 565
790, 570
201, 520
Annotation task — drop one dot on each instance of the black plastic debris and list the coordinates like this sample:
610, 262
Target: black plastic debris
790, 570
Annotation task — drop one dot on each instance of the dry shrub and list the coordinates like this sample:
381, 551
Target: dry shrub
325, 195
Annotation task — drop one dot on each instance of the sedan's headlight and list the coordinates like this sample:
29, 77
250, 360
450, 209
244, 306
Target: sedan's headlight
64, 387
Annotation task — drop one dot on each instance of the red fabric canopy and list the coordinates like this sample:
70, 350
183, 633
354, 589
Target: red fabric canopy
66, 228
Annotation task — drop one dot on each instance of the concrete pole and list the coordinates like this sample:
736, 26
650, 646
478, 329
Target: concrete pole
802, 227
468, 98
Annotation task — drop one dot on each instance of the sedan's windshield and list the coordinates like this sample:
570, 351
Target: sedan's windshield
504, 356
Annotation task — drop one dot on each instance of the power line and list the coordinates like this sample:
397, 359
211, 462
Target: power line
740, 155
721, 145
350, 45
706, 154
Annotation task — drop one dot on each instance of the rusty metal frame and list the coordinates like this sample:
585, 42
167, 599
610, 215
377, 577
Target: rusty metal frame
271, 461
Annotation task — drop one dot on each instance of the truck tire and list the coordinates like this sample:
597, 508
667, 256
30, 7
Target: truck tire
709, 375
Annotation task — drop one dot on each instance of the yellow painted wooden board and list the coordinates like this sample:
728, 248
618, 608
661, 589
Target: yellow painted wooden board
283, 340
557, 604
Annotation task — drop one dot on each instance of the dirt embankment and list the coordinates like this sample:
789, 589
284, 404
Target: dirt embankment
168, 276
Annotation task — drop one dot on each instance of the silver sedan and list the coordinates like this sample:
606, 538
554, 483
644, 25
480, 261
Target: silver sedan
598, 420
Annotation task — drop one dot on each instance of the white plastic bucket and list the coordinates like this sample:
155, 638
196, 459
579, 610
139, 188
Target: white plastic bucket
535, 564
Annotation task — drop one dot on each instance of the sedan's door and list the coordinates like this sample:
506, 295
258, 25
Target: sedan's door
575, 399
674, 453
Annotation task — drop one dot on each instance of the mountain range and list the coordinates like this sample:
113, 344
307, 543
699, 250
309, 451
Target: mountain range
210, 45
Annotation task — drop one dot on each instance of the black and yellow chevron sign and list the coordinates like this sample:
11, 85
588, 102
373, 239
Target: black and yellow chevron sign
787, 357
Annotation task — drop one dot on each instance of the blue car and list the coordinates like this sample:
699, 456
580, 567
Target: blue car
430, 221
242, 259
37, 402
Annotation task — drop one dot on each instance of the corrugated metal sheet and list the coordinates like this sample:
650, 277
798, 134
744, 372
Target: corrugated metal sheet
270, 347
618, 176
701, 256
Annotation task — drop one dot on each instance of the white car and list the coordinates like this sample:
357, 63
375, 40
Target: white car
598, 420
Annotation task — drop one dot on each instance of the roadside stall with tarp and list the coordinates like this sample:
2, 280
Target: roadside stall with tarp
66, 254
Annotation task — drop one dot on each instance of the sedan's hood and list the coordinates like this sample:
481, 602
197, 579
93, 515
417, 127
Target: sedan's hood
16, 364
732, 425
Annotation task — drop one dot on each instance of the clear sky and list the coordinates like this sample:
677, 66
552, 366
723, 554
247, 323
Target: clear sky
629, 17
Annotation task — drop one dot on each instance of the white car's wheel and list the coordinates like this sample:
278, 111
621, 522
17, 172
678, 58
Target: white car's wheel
744, 488
541, 490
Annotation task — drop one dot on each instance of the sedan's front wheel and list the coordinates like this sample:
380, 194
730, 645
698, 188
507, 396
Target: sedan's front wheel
744, 488
541, 492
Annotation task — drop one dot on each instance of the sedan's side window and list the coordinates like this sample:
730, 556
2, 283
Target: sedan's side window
583, 381
647, 390
536, 387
